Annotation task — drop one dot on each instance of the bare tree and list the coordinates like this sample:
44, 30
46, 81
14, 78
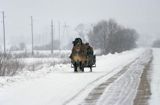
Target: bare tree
101, 33
80, 29
124, 39
112, 37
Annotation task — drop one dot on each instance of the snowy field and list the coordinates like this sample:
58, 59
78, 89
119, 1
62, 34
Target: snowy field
59, 85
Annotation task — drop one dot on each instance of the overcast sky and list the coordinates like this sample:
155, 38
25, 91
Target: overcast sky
142, 15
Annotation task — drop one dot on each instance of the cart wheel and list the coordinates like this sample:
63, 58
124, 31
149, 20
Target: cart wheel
82, 69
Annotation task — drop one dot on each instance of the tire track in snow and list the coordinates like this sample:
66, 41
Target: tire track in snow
123, 89
98, 91
144, 89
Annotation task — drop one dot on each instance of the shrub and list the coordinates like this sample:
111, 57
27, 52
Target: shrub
9, 65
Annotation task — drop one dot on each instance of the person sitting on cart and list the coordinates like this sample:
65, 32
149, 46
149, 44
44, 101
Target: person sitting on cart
89, 49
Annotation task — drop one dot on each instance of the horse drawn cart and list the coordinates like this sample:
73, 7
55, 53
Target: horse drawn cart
82, 56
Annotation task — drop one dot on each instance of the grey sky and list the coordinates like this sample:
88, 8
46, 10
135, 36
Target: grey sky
142, 15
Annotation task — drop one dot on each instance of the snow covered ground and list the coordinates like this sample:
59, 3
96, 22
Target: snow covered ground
59, 85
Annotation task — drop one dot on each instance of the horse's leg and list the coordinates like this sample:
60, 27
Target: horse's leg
81, 67
90, 68
75, 67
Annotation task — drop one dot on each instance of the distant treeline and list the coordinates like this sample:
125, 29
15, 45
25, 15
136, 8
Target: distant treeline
156, 43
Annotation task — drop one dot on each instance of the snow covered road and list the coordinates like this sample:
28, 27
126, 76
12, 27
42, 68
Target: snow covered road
63, 86
123, 90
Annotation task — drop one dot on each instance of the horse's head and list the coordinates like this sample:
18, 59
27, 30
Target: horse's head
77, 48
77, 41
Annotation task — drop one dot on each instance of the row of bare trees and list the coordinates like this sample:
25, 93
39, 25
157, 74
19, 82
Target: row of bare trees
112, 37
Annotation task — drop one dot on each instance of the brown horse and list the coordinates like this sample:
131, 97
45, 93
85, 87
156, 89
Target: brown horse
79, 56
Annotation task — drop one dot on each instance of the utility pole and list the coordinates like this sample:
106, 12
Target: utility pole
51, 36
64, 28
104, 43
4, 33
59, 36
32, 33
